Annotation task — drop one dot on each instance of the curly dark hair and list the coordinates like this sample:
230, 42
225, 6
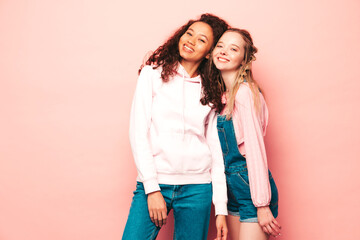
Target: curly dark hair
213, 86
167, 55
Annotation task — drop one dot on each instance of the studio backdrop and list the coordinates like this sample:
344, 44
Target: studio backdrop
68, 71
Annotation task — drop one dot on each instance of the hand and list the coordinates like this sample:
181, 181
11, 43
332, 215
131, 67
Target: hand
146, 57
221, 227
157, 208
267, 221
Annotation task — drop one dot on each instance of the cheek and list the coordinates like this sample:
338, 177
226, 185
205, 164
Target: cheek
214, 52
238, 59
181, 42
183, 38
205, 49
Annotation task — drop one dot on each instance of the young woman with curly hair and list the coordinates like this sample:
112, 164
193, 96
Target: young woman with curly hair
252, 193
174, 139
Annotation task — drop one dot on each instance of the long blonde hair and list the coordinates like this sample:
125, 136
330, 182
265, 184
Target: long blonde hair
244, 73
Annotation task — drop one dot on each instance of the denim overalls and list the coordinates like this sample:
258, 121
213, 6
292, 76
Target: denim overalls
239, 197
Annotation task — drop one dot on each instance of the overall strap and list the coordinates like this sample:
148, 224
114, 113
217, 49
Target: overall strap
233, 159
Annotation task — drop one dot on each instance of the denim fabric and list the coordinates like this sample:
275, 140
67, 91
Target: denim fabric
237, 179
191, 204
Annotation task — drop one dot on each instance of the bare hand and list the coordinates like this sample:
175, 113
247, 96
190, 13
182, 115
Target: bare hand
267, 221
157, 208
146, 57
221, 227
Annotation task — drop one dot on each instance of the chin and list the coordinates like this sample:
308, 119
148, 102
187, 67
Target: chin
219, 67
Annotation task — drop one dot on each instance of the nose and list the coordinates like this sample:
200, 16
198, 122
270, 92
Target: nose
191, 41
223, 52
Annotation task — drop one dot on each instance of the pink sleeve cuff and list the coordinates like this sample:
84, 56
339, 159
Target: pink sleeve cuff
261, 204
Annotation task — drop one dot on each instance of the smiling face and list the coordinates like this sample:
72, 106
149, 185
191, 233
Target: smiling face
228, 53
196, 42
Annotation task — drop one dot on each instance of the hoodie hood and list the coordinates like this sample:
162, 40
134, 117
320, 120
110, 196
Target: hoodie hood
182, 72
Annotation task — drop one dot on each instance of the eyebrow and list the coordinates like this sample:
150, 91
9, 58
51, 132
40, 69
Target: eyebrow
230, 44
200, 34
236, 46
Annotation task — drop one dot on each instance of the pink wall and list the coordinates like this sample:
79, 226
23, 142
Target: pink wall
67, 74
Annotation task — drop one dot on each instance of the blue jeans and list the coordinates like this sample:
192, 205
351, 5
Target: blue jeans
191, 204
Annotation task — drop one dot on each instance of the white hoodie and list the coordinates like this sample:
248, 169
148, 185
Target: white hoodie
174, 137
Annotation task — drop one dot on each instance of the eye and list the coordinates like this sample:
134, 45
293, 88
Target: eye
234, 49
219, 46
188, 33
202, 40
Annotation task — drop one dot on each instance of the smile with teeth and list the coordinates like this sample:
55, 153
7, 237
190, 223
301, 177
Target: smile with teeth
188, 48
222, 59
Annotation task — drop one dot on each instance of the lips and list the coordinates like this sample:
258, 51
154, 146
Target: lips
224, 60
188, 49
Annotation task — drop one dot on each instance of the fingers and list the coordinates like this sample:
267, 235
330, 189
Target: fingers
271, 228
275, 228
221, 233
265, 230
164, 217
151, 214
225, 232
158, 217
218, 233
146, 57
276, 223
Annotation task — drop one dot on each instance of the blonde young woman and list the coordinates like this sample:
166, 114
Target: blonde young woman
252, 193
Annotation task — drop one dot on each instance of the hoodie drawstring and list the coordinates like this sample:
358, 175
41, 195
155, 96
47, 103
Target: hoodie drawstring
183, 104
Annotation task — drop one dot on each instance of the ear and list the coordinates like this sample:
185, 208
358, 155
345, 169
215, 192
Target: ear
207, 56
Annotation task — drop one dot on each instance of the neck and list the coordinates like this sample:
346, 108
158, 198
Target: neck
228, 78
190, 67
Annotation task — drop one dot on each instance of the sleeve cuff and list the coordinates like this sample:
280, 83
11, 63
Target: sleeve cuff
151, 186
261, 205
221, 209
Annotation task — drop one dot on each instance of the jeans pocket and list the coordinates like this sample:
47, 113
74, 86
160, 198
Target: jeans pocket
243, 177
240, 186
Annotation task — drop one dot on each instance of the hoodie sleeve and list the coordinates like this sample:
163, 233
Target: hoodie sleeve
254, 145
140, 120
217, 167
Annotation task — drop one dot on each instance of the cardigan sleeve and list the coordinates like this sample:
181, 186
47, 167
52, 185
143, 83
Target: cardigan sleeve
253, 128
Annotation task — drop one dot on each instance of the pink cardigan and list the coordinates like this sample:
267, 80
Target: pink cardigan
250, 129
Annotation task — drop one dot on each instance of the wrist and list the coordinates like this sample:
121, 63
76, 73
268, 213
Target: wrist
262, 208
153, 193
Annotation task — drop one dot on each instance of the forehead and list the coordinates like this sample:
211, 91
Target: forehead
202, 28
232, 38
